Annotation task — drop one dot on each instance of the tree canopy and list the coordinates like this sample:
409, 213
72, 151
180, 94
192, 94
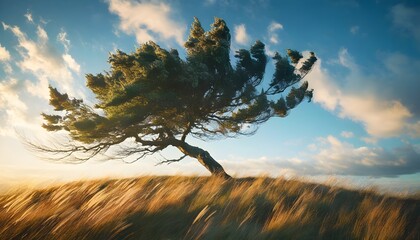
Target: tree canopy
155, 99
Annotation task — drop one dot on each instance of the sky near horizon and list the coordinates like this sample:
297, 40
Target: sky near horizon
363, 123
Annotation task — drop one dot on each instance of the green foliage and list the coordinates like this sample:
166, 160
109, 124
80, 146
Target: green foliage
154, 96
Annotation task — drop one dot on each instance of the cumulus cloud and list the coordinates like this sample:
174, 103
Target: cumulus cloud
44, 61
148, 21
406, 19
241, 36
380, 115
272, 32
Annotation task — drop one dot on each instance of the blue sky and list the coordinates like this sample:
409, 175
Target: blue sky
363, 123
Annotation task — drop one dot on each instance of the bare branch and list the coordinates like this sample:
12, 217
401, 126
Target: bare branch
169, 161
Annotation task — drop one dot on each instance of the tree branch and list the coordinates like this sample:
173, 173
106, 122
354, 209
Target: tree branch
169, 161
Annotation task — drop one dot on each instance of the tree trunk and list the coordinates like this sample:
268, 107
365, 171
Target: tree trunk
204, 158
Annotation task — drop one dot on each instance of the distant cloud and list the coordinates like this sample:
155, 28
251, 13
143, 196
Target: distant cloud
62, 37
342, 158
406, 19
380, 115
330, 156
354, 29
218, 2
241, 36
347, 134
272, 32
209, 2
28, 17
148, 20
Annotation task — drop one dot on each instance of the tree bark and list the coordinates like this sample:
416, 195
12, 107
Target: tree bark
204, 158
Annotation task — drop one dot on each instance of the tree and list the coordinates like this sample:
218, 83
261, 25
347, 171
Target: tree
152, 99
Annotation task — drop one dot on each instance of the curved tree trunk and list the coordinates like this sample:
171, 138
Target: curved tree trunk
204, 158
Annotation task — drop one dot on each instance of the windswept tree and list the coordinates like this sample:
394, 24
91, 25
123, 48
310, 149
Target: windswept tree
153, 99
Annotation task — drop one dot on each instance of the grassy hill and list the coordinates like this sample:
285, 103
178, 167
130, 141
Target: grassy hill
206, 208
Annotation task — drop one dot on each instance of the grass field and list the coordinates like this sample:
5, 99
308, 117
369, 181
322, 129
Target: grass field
206, 208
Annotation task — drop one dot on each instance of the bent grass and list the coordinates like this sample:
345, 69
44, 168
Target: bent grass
206, 208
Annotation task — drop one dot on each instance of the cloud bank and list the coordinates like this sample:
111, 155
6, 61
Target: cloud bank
332, 156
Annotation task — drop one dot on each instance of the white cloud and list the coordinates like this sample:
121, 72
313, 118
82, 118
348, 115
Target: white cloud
274, 26
354, 29
272, 29
4, 54
330, 156
44, 61
381, 116
406, 19
28, 17
336, 157
147, 20
347, 134
4, 59
241, 36
8, 68
71, 63
13, 109
62, 37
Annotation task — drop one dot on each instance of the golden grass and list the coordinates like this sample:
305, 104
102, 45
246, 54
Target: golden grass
206, 208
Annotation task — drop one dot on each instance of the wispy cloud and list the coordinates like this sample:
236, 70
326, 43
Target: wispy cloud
406, 19
241, 36
5, 60
45, 62
209, 2
354, 29
62, 37
347, 134
148, 21
22, 100
13, 109
272, 32
4, 54
28, 17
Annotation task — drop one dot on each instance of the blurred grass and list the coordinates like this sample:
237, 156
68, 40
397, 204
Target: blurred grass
206, 208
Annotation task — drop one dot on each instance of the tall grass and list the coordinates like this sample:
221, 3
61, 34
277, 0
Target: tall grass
206, 208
